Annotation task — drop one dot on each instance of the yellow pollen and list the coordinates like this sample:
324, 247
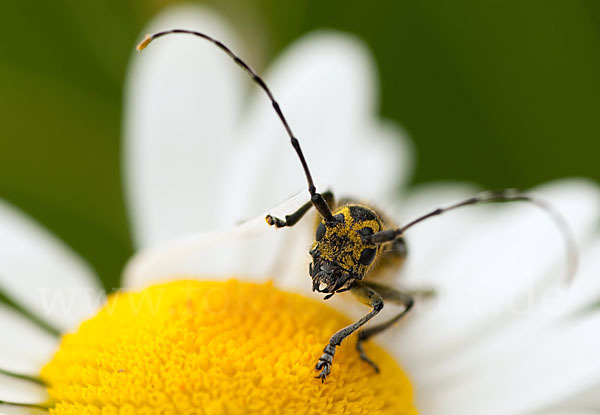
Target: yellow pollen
201, 347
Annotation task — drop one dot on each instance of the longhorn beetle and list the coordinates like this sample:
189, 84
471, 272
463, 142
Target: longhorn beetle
352, 237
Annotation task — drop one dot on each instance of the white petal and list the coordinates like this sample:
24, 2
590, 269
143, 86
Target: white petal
21, 391
426, 244
182, 106
556, 303
25, 348
532, 375
568, 412
21, 410
325, 84
588, 399
43, 274
252, 250
496, 270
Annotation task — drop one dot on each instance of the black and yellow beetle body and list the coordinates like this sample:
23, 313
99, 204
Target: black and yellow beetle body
342, 254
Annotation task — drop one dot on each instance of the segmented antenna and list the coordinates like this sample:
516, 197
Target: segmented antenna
508, 195
317, 200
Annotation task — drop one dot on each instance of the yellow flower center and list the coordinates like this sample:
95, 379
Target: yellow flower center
200, 347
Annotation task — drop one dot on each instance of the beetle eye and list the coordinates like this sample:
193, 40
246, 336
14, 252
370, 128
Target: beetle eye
366, 231
339, 217
367, 256
320, 231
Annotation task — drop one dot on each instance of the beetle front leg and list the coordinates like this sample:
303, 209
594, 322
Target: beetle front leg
368, 296
293, 218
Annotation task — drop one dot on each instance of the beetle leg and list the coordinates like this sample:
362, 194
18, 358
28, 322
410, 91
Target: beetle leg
292, 219
367, 295
388, 294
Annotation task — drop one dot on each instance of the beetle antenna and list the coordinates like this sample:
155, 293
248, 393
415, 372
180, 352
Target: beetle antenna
317, 200
508, 195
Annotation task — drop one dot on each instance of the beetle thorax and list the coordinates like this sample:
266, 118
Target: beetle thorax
340, 249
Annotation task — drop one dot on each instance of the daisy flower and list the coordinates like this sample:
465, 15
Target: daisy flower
204, 152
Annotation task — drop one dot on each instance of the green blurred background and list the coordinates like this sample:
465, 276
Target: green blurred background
501, 93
